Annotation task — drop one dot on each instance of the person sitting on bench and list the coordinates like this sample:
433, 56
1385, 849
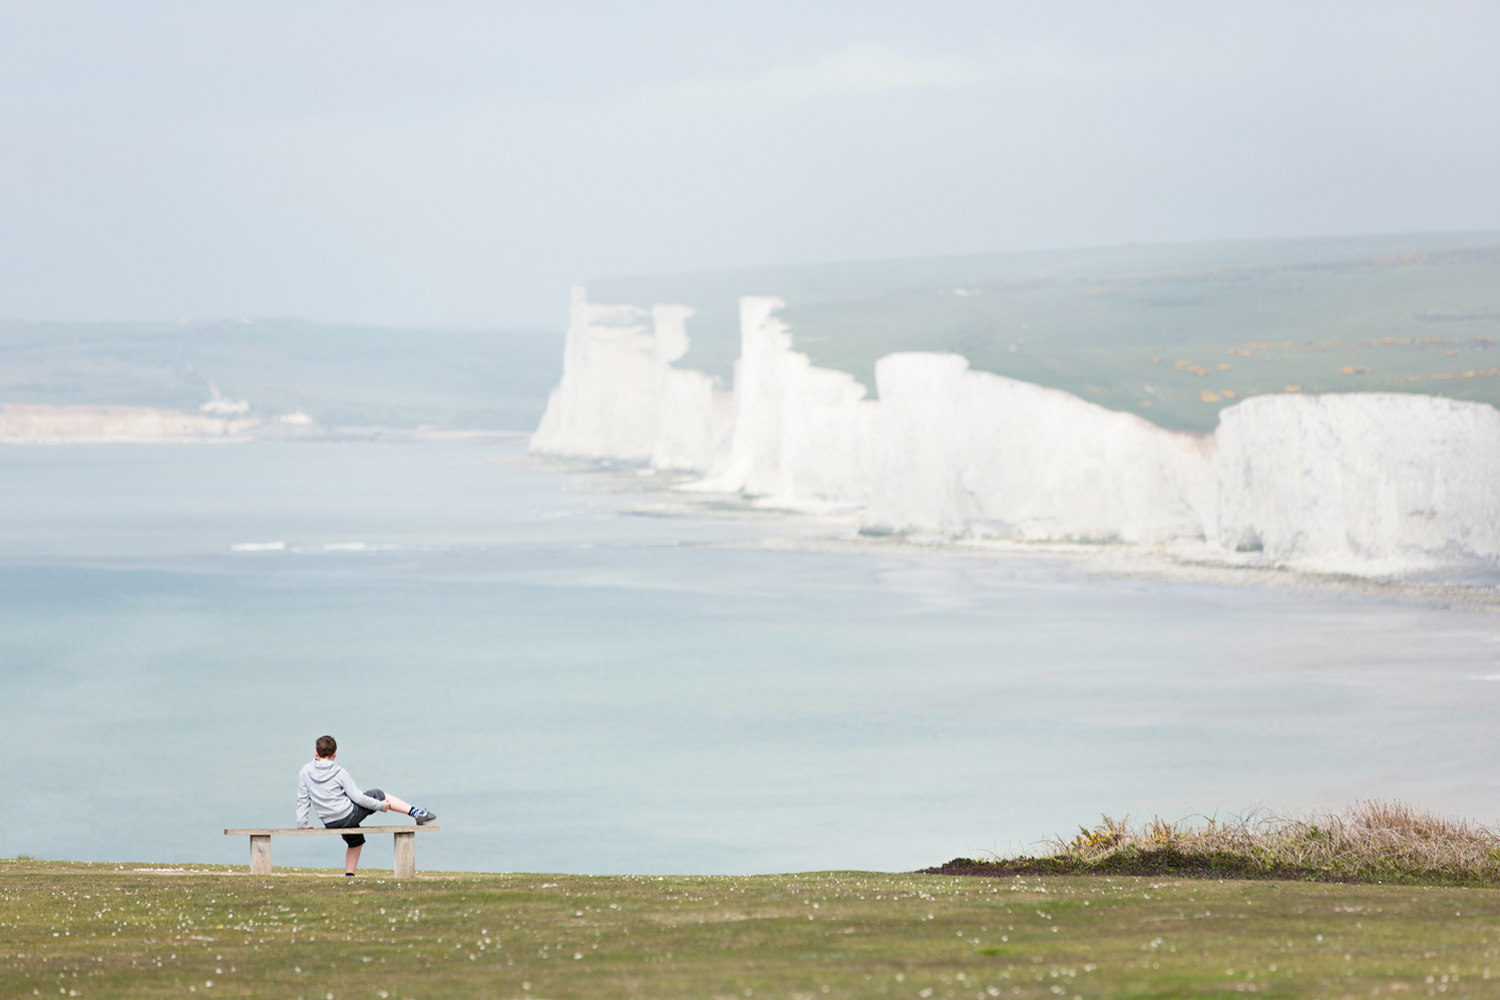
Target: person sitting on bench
325, 786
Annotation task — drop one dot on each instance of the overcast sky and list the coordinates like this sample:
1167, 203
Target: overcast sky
451, 163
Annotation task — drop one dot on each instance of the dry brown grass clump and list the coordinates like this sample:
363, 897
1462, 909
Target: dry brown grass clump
1371, 840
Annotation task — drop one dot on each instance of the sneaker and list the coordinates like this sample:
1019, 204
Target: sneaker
348, 874
422, 816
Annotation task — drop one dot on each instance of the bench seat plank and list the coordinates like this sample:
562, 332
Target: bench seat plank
296, 832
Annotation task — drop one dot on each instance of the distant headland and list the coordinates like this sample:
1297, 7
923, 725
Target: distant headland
1326, 405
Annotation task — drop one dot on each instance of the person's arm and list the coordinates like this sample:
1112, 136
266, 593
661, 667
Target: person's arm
304, 803
358, 797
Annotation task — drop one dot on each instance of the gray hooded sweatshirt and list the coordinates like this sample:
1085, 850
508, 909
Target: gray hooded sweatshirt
325, 786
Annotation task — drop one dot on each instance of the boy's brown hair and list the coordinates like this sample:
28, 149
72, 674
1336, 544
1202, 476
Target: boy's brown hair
327, 746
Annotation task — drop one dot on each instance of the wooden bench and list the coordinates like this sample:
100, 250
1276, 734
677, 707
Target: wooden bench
406, 843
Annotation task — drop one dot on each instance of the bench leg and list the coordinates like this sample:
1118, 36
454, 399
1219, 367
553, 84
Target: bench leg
260, 855
406, 855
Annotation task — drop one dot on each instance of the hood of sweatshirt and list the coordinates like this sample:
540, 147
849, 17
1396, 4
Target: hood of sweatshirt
322, 772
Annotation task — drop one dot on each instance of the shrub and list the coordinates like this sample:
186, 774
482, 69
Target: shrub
1370, 841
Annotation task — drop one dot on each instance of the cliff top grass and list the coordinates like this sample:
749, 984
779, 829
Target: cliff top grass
107, 930
1372, 841
1173, 333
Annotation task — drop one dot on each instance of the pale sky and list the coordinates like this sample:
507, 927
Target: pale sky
451, 163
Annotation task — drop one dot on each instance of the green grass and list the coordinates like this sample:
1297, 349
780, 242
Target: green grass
1217, 338
95, 930
1110, 325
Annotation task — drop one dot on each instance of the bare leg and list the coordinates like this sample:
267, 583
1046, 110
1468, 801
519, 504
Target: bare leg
393, 804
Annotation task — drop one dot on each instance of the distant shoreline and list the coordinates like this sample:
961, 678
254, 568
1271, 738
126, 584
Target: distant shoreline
1165, 565
836, 532
24, 424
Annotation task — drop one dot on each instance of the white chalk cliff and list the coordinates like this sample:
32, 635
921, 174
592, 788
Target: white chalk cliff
804, 437
620, 398
1349, 481
1352, 482
970, 453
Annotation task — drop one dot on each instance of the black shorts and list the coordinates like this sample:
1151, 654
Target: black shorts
356, 817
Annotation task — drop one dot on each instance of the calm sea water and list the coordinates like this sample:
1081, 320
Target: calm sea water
574, 688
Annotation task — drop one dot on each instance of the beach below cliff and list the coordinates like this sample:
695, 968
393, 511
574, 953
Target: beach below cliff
1472, 586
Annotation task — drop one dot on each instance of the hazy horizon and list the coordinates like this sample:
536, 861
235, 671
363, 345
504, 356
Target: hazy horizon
611, 284
462, 165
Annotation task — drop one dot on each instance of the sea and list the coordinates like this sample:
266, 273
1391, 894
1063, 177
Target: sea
575, 683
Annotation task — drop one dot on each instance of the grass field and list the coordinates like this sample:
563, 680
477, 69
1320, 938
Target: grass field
97, 930
1173, 333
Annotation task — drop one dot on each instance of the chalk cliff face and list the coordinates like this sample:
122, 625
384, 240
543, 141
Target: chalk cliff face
1360, 480
620, 398
1355, 482
970, 453
804, 437
28, 424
